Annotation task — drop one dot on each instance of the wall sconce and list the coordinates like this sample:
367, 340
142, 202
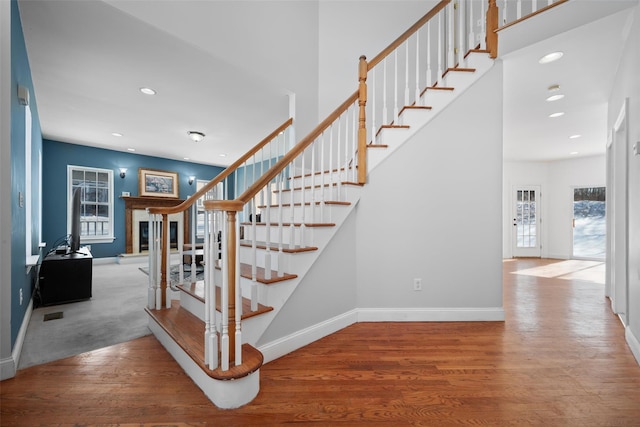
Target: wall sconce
191, 179
123, 172
195, 135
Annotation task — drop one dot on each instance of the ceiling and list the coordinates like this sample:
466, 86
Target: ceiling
89, 59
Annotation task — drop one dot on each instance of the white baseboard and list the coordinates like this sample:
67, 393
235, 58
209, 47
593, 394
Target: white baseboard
633, 343
9, 365
491, 314
285, 345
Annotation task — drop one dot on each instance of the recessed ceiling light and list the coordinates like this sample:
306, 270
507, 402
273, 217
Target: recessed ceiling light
116, 134
575, 136
147, 91
185, 158
554, 115
131, 149
555, 97
550, 57
573, 153
223, 155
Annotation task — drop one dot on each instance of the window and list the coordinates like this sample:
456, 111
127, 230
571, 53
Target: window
96, 212
214, 194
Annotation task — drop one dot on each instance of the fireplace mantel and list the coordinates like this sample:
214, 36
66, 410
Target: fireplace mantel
142, 203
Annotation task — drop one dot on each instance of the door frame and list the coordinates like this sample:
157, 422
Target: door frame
617, 284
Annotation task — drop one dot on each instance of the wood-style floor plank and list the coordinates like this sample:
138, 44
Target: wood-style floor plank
559, 359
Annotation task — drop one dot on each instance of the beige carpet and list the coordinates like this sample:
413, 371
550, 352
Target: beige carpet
114, 314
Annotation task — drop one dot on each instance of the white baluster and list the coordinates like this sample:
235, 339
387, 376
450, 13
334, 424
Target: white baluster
313, 183
471, 35
385, 112
224, 298
440, 42
417, 94
354, 147
331, 177
519, 9
151, 293
483, 27
450, 37
267, 255
167, 242
338, 164
373, 105
396, 112
406, 73
292, 240
549, 2
302, 202
207, 301
194, 225
158, 243
504, 12
461, 38
322, 145
238, 300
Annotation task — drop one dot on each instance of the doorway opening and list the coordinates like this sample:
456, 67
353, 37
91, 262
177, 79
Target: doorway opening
589, 223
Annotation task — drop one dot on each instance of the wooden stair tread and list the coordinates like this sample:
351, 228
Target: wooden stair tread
245, 271
321, 172
196, 290
372, 145
391, 127
288, 205
295, 224
285, 248
188, 332
459, 69
308, 187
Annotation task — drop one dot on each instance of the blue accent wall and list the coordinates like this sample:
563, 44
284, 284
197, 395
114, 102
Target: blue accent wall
21, 75
57, 155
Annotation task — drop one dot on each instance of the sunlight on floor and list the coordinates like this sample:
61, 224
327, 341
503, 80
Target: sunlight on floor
589, 271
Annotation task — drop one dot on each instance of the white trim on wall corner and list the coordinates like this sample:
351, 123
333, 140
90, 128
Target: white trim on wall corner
633, 343
9, 365
285, 345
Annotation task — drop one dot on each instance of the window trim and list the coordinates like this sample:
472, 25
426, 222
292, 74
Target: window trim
92, 239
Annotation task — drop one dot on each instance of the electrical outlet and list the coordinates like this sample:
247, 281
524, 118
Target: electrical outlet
417, 284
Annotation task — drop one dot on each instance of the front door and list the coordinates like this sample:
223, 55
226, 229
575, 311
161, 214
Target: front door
526, 221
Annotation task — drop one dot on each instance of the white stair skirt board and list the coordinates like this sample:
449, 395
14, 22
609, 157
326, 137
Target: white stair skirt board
633, 343
491, 314
224, 394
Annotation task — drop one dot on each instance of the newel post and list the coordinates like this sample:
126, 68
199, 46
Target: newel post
362, 121
492, 26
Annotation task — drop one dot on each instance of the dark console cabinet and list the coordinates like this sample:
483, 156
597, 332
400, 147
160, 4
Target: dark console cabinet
65, 277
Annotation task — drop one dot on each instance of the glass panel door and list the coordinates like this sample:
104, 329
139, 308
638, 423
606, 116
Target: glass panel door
526, 230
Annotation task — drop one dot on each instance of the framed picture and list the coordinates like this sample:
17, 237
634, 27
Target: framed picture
157, 183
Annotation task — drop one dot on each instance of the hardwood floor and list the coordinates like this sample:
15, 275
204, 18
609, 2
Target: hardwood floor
560, 359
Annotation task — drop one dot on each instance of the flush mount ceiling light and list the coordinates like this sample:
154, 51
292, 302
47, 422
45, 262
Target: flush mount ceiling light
550, 57
195, 135
116, 134
553, 88
147, 91
554, 115
131, 149
555, 97
573, 153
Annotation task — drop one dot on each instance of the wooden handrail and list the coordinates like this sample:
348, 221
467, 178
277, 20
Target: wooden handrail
415, 27
222, 175
532, 14
281, 164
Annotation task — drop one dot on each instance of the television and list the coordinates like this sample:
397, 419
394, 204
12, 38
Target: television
76, 205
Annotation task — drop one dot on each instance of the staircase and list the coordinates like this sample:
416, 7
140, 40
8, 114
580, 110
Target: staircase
291, 202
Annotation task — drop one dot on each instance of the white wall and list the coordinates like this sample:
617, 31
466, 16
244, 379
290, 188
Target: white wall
432, 210
557, 180
627, 85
